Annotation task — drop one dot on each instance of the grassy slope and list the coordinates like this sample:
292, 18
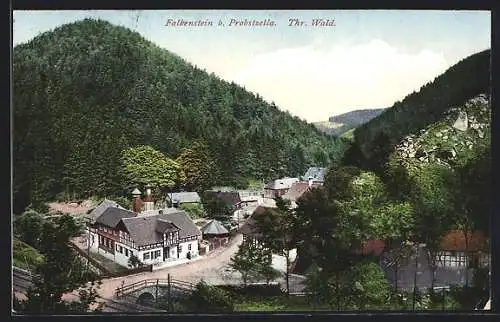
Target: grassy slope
24, 256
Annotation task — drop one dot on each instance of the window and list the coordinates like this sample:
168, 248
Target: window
121, 250
189, 246
131, 252
179, 249
126, 252
451, 259
145, 256
156, 254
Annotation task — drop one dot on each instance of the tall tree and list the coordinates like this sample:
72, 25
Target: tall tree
325, 233
197, 166
146, 166
61, 272
433, 202
246, 261
275, 227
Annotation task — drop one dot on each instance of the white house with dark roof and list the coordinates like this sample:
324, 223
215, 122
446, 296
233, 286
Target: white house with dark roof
279, 187
179, 198
155, 237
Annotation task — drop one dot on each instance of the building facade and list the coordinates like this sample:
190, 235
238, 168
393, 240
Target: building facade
154, 238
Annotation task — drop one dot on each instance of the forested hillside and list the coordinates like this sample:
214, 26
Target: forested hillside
86, 91
465, 80
356, 117
340, 124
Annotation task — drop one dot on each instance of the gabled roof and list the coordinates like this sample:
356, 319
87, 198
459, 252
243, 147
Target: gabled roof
164, 226
214, 227
111, 216
248, 196
232, 198
182, 220
284, 183
149, 229
455, 241
296, 191
184, 197
316, 173
97, 211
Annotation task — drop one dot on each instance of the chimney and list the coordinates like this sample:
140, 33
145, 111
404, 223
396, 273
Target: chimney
148, 200
136, 202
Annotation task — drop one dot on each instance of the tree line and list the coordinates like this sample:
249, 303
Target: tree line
86, 91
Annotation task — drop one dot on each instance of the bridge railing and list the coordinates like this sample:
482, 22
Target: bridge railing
127, 289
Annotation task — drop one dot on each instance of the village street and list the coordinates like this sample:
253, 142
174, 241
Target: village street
212, 268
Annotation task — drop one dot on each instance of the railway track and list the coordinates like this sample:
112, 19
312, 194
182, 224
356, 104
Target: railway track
21, 280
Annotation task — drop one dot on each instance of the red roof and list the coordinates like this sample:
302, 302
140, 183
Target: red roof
296, 191
374, 246
455, 241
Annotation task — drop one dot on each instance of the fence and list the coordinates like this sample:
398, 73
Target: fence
106, 272
103, 270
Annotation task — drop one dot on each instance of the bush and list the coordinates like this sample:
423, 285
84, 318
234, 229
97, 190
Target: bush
124, 202
29, 226
134, 262
24, 256
211, 299
365, 286
259, 290
194, 210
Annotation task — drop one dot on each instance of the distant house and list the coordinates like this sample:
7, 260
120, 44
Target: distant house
181, 198
451, 261
297, 190
250, 198
230, 198
155, 236
315, 174
279, 187
453, 249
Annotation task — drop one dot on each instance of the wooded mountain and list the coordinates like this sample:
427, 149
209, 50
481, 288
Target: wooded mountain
356, 117
86, 91
339, 124
463, 81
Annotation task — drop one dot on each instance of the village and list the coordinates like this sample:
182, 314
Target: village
152, 176
160, 234
156, 238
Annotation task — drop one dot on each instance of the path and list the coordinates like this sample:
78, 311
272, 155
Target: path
212, 266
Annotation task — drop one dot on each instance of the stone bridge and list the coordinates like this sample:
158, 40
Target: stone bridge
148, 292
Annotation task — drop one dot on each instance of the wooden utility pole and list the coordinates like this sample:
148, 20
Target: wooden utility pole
88, 244
156, 297
169, 299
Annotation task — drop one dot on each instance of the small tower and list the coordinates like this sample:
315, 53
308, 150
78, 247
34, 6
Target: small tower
137, 202
148, 200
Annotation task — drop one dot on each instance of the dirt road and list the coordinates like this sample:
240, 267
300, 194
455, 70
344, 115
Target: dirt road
212, 269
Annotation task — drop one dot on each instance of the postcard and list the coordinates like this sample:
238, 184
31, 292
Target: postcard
225, 161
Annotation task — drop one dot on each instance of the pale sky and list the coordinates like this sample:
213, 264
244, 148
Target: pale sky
370, 59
